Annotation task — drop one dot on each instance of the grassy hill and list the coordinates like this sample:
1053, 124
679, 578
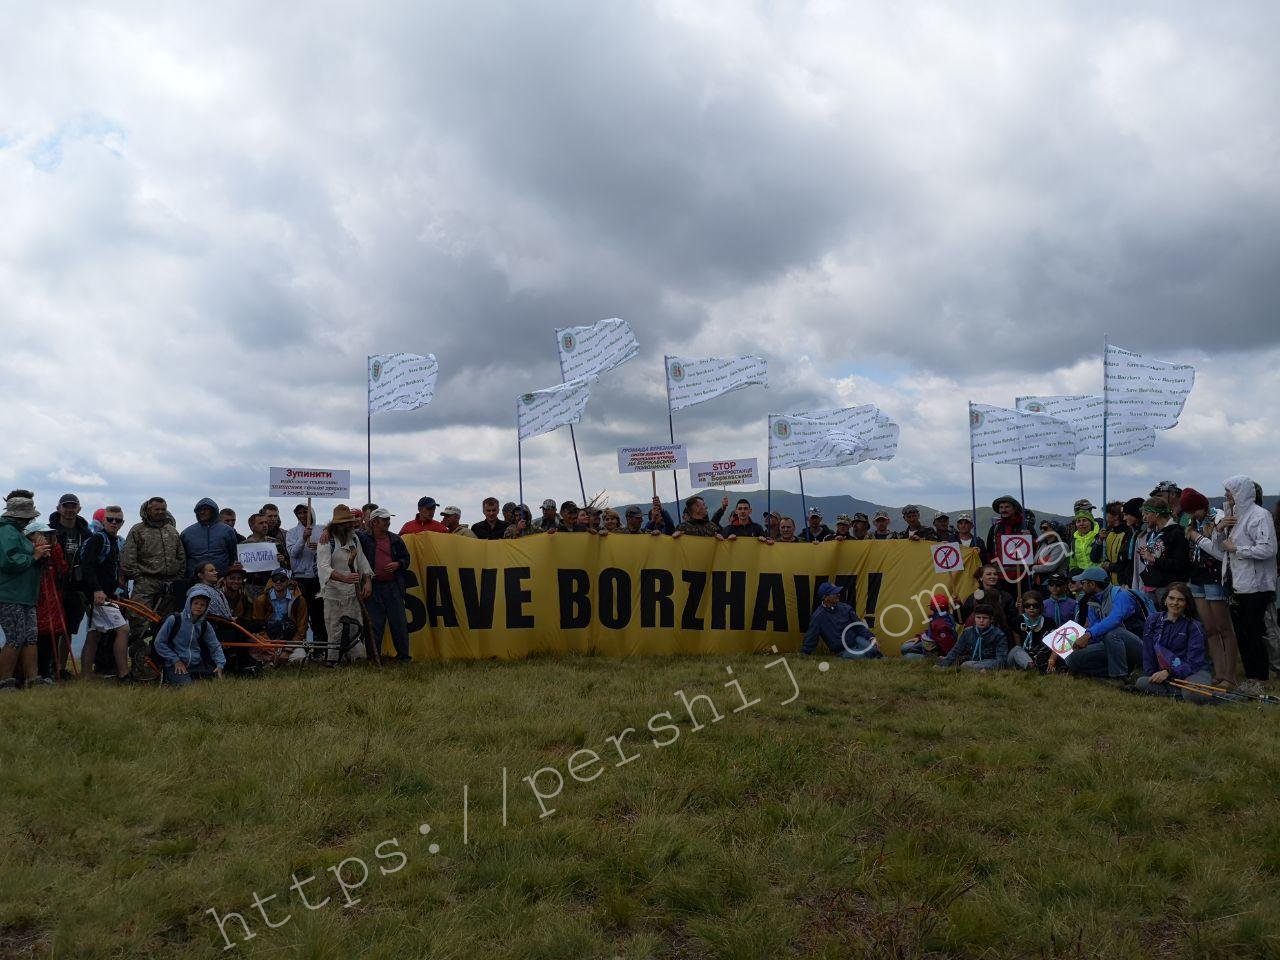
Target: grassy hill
886, 811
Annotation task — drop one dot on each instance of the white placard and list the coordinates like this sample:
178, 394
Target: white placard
947, 559
1062, 641
723, 473
1003, 435
656, 456
1149, 391
1017, 549
258, 557
310, 482
1124, 435
591, 350
544, 410
691, 381
401, 381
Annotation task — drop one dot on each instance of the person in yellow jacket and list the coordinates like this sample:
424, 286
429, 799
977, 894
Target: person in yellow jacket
1082, 539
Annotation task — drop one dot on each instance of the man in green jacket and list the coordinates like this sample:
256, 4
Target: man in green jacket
19, 588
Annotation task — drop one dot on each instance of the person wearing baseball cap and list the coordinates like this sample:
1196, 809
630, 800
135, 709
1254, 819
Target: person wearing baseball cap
965, 536
881, 531
282, 606
634, 520
915, 531
859, 526
815, 531
942, 530
451, 517
1059, 605
425, 521
838, 626
1110, 647
843, 523
550, 518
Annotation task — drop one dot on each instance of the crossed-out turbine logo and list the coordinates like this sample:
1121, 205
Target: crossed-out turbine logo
376, 370
975, 418
1035, 407
527, 398
568, 342
677, 371
782, 429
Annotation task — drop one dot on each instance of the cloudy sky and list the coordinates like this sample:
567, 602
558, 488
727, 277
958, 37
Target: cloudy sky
212, 213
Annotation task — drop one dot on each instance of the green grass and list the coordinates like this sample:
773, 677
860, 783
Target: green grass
889, 811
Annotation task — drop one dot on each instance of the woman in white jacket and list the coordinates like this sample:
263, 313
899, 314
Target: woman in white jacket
1246, 541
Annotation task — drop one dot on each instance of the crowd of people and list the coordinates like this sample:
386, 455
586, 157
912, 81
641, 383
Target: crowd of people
1163, 586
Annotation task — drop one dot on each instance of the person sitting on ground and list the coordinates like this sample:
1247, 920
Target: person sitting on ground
1059, 605
741, 524
966, 537
698, 523
1026, 649
1173, 646
424, 522
1083, 537
915, 530
990, 591
238, 603
491, 527
282, 610
838, 625
185, 644
451, 517
939, 634
816, 531
1110, 646
881, 531
983, 646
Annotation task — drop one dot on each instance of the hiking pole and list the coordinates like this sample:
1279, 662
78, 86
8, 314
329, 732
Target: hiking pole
1204, 690
1237, 694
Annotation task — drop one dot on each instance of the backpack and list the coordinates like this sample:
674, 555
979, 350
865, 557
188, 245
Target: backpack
80, 574
1137, 621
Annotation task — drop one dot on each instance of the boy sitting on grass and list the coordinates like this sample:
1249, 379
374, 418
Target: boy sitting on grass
840, 628
186, 644
982, 646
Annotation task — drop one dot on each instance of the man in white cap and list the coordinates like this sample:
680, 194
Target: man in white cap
816, 531
19, 588
450, 517
345, 577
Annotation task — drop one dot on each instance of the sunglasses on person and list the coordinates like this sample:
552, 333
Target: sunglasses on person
113, 519
1031, 606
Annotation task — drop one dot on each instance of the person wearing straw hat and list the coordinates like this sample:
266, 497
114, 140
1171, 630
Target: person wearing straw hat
345, 576
19, 588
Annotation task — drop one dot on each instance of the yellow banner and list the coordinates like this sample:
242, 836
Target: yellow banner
625, 595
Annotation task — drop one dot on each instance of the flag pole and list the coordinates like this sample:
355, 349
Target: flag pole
1105, 444
368, 433
1022, 490
582, 489
671, 426
973, 486
804, 509
519, 455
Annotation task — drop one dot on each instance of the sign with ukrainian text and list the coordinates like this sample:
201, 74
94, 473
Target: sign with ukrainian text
310, 482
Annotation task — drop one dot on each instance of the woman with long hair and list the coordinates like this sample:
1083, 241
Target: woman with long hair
1210, 595
1173, 649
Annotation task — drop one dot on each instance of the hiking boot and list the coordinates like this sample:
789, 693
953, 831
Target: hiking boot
40, 682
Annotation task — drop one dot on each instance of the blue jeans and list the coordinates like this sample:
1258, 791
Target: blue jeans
175, 679
386, 608
1113, 654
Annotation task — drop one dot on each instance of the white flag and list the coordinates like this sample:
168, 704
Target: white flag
544, 410
1029, 439
692, 381
831, 438
1124, 434
1148, 391
590, 351
401, 381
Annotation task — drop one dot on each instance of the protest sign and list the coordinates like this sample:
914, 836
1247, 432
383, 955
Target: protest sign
309, 482
655, 456
946, 558
1016, 548
258, 557
723, 473
1062, 641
